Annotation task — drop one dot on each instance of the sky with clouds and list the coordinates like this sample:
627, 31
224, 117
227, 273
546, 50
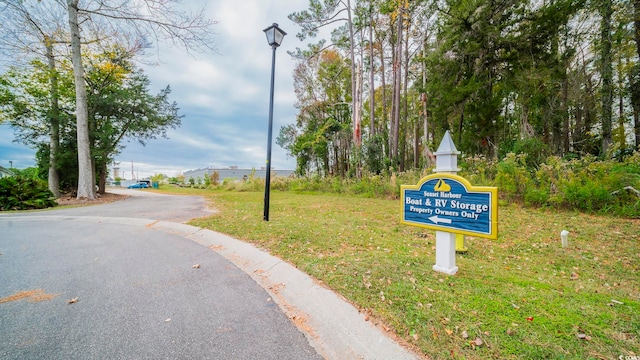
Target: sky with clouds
224, 97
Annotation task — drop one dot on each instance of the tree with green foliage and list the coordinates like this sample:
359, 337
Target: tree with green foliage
500, 75
35, 31
120, 108
161, 18
39, 114
322, 133
325, 13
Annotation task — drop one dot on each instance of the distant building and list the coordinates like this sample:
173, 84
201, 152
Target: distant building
4, 172
233, 173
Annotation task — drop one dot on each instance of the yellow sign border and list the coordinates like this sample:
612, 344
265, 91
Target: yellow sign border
493, 191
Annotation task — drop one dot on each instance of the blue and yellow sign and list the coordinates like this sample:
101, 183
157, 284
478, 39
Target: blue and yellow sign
450, 203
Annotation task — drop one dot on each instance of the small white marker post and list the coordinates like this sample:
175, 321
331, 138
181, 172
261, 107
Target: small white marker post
447, 163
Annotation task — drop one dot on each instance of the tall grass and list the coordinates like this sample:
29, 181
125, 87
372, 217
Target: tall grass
587, 184
369, 186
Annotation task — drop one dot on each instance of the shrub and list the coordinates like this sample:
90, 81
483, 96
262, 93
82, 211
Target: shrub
587, 184
586, 195
535, 149
214, 178
24, 193
479, 170
535, 197
370, 186
513, 177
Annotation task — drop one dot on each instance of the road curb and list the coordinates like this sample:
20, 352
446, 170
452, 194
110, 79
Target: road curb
332, 325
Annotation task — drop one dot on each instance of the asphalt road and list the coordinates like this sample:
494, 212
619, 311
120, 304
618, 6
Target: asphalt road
138, 293
142, 204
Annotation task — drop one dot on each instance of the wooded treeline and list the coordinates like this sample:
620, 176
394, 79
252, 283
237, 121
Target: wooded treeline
557, 77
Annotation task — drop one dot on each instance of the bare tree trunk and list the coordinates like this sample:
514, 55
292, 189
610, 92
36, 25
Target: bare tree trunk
393, 120
354, 95
635, 82
578, 127
405, 103
526, 130
416, 145
383, 83
428, 155
357, 110
461, 124
86, 189
372, 87
392, 117
565, 114
102, 179
606, 72
357, 115
621, 117
397, 76
589, 116
54, 118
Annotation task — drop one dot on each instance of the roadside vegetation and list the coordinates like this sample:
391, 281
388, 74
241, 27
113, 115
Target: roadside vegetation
587, 184
520, 296
23, 190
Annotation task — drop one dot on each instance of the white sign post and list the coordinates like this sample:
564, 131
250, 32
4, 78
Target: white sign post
450, 205
446, 163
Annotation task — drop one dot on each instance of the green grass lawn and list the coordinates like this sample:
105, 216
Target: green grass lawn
521, 296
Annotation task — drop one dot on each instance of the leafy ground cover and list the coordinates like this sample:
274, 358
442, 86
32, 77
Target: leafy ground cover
19, 192
520, 296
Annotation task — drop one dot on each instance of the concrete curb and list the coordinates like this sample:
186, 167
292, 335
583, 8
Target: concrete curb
333, 326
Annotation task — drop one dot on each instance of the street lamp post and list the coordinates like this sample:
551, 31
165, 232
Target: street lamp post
274, 38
